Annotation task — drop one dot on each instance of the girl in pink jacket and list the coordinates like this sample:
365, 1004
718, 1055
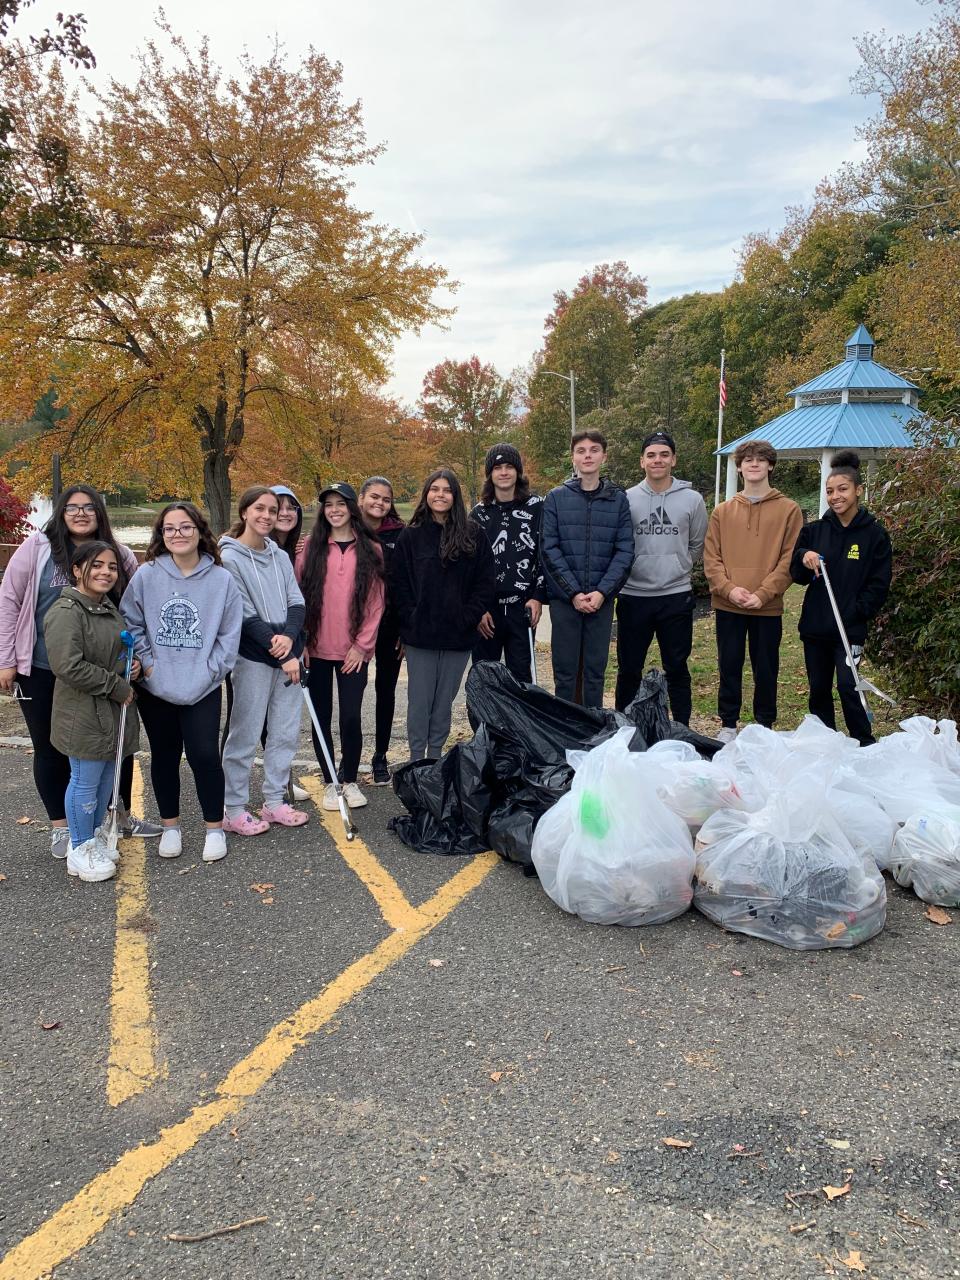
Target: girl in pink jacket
340, 571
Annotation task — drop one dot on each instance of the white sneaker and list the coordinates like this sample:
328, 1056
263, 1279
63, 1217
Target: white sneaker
726, 735
298, 792
90, 863
112, 854
214, 846
171, 843
330, 798
353, 795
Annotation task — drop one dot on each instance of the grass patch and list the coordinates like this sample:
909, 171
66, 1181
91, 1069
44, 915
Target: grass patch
792, 691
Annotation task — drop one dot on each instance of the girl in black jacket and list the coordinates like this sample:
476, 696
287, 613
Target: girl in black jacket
856, 550
381, 517
442, 581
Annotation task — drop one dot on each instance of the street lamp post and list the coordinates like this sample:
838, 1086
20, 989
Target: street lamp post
572, 379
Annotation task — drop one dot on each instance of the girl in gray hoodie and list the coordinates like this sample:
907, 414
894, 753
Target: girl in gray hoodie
267, 675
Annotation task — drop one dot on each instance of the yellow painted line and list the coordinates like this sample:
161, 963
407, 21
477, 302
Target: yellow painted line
134, 1064
394, 905
73, 1226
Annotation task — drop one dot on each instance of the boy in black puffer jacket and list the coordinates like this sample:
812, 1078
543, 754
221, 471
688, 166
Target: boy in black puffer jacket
856, 550
586, 553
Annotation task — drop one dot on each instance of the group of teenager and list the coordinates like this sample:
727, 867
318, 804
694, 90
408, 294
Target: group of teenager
266, 607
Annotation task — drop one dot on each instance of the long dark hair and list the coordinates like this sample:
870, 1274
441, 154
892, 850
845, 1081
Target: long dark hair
62, 545
207, 544
393, 513
288, 541
459, 536
84, 554
369, 569
488, 494
247, 499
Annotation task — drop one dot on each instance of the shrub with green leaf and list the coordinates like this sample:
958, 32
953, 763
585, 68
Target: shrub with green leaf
917, 635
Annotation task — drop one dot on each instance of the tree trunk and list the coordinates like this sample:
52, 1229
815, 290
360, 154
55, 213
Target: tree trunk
216, 490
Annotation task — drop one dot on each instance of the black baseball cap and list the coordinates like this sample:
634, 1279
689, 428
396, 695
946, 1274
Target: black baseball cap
341, 489
659, 437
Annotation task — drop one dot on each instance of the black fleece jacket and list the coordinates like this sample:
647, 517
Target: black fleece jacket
513, 531
859, 561
439, 605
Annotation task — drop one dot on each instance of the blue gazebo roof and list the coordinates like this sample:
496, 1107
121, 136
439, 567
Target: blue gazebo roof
836, 426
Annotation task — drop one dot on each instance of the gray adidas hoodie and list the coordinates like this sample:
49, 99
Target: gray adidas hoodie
186, 628
668, 533
272, 601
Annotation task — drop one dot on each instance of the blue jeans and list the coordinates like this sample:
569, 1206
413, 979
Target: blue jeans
88, 794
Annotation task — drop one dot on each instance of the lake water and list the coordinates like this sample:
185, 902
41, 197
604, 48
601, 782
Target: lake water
131, 533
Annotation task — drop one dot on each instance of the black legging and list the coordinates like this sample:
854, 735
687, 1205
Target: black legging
51, 768
174, 730
389, 662
350, 698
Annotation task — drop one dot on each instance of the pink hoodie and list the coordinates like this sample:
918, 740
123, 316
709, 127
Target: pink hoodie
333, 633
18, 599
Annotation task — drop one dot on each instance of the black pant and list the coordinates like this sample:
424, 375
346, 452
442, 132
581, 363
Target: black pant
174, 730
350, 699
511, 637
51, 769
670, 620
389, 662
823, 658
580, 645
734, 632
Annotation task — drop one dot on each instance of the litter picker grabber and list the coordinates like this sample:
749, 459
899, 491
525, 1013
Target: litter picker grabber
111, 829
533, 650
862, 685
350, 830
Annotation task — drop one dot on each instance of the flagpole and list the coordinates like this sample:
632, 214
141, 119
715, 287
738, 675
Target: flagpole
721, 398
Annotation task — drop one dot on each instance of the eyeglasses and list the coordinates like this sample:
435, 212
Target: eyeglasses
80, 509
172, 530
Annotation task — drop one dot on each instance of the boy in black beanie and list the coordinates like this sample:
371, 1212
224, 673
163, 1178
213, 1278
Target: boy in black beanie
510, 517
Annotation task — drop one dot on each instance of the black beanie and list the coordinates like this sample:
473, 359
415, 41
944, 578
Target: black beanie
506, 453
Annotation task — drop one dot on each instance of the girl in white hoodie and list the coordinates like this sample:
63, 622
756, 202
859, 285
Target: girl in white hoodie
266, 677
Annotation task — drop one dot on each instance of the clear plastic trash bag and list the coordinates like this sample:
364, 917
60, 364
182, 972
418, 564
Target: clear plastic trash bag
610, 850
868, 827
788, 874
901, 779
689, 786
926, 857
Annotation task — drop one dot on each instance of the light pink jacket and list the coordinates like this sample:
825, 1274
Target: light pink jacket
18, 599
333, 634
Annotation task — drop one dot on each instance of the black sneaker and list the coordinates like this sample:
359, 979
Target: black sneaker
381, 771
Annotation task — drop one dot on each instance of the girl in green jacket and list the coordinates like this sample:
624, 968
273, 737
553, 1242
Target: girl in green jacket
82, 631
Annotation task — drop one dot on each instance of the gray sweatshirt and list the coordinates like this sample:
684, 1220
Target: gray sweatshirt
668, 533
186, 628
272, 601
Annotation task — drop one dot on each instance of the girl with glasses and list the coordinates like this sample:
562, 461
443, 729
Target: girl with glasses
185, 612
38, 571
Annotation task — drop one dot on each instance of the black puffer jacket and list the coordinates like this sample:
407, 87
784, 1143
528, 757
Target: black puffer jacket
859, 560
439, 605
587, 542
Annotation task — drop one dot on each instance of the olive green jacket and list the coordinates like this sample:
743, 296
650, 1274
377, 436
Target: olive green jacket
86, 656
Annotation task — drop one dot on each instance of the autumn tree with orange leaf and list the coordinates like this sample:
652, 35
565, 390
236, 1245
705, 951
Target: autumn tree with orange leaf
468, 406
213, 234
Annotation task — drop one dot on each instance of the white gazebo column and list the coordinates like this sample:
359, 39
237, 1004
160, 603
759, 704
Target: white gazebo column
871, 478
731, 477
825, 457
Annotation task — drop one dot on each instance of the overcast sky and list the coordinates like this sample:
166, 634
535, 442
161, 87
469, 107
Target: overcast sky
530, 140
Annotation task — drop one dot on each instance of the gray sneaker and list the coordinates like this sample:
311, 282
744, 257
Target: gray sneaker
59, 841
139, 827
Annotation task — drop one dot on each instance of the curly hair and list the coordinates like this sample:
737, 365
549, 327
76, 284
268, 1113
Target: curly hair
207, 544
846, 463
369, 569
62, 545
459, 537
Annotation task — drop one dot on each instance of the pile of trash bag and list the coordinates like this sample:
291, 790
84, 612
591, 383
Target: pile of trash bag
490, 792
926, 856
788, 874
610, 851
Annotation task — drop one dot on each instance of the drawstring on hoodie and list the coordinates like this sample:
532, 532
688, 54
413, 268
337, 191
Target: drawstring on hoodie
265, 616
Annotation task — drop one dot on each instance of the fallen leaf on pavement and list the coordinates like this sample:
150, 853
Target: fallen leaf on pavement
838, 1144
853, 1260
737, 973
612, 1157
24, 822
51, 1026
436, 964
834, 1193
2, 876
676, 1142
937, 915
266, 902
262, 888
496, 1076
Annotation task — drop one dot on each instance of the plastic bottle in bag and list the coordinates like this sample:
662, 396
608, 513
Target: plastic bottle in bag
926, 857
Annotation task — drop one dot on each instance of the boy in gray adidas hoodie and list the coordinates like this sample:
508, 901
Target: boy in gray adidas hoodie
266, 677
669, 525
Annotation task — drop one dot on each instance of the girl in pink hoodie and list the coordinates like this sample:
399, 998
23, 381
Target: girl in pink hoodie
340, 572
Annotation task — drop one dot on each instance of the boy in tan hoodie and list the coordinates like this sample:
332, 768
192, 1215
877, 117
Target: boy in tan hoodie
746, 558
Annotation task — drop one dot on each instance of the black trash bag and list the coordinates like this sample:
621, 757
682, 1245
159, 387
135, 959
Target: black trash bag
530, 718
448, 800
648, 711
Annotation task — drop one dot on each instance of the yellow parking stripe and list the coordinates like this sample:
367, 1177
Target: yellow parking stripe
80, 1219
134, 1062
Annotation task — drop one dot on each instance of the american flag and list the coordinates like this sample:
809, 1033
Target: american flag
723, 391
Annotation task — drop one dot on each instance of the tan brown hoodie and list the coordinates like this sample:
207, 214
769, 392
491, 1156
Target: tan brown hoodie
749, 544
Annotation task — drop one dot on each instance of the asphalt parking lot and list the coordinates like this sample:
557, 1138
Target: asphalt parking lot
403, 1065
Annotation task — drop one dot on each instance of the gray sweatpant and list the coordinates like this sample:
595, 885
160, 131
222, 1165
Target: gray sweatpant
433, 680
258, 691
